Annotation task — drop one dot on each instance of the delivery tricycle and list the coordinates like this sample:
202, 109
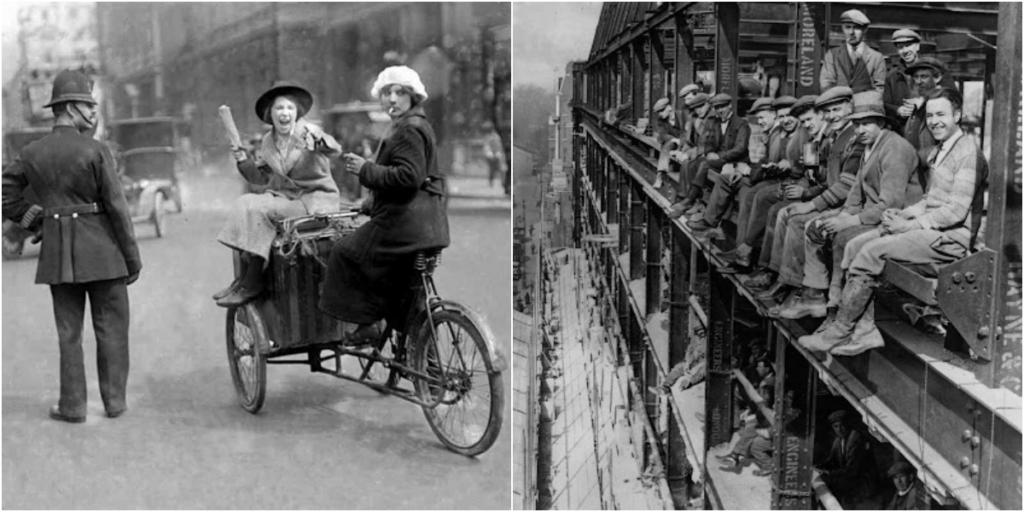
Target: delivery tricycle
442, 357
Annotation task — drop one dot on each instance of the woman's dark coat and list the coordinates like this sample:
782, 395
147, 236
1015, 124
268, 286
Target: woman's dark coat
370, 269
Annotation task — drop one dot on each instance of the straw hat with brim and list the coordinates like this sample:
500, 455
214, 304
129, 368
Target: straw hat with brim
284, 88
761, 104
900, 468
70, 85
931, 63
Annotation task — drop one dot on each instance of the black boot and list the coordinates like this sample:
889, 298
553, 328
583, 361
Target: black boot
243, 265
250, 286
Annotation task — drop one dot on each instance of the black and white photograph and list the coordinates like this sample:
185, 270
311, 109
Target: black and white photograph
767, 255
257, 255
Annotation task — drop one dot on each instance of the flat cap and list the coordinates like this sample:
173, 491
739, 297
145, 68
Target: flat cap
867, 104
661, 104
927, 63
839, 415
900, 468
833, 95
697, 100
856, 17
761, 104
720, 99
687, 89
905, 35
785, 101
803, 104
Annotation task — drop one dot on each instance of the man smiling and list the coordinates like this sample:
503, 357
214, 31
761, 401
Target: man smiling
934, 230
900, 87
885, 180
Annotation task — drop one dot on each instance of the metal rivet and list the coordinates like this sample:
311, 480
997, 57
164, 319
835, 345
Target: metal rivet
975, 441
56, 217
957, 277
983, 331
74, 215
964, 462
970, 277
966, 435
973, 470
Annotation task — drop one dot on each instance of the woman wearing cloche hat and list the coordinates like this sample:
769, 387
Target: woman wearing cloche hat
370, 271
293, 171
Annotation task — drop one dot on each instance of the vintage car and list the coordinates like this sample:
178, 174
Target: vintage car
150, 162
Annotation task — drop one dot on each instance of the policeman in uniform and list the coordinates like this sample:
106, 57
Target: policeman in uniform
88, 247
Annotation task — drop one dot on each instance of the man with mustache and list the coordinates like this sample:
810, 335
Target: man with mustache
927, 73
886, 179
89, 248
854, 64
898, 85
934, 230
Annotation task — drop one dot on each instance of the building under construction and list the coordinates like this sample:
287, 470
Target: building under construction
636, 293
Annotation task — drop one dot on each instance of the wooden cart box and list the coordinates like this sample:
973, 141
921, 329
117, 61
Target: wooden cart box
297, 269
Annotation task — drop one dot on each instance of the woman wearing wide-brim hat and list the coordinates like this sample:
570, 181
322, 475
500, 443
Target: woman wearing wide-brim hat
370, 271
292, 170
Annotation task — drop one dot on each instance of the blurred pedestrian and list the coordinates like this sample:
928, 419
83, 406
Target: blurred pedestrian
494, 153
89, 247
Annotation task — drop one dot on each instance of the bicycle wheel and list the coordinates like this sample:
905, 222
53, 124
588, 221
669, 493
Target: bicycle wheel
248, 366
472, 399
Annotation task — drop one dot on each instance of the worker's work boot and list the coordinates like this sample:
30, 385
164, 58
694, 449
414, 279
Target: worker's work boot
856, 297
866, 336
812, 303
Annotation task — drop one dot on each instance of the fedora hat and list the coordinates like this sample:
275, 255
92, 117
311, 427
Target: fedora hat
71, 85
281, 88
867, 104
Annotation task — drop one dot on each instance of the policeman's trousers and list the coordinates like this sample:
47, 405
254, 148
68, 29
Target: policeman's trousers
108, 301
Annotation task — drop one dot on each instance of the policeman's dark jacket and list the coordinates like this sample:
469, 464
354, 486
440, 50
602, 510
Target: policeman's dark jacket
86, 226
368, 270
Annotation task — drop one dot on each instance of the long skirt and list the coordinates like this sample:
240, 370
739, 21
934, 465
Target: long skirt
378, 287
252, 224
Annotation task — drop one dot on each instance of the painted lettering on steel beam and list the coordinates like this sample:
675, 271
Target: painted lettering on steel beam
808, 53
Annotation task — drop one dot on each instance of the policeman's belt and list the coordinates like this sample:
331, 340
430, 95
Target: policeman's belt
65, 216
74, 210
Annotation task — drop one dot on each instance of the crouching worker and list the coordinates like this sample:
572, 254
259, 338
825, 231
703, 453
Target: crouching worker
293, 169
935, 230
371, 270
